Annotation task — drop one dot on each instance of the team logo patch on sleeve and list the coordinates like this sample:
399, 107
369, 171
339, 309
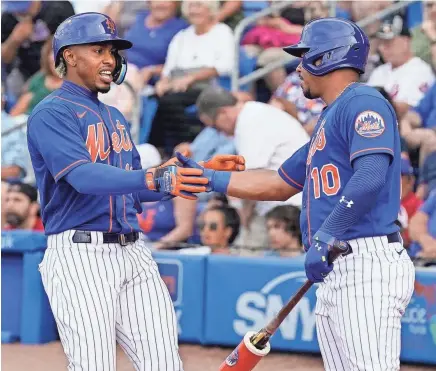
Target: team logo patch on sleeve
369, 124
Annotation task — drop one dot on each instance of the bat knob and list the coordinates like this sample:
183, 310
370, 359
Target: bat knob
246, 356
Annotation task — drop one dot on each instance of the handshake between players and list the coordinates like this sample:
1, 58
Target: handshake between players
183, 177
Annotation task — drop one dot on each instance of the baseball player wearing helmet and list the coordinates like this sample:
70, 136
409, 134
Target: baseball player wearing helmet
102, 283
349, 174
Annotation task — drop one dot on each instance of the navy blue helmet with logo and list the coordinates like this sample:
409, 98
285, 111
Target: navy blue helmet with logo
336, 42
88, 28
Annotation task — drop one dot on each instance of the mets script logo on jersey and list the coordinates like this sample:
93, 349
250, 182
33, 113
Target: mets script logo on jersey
369, 124
318, 143
97, 141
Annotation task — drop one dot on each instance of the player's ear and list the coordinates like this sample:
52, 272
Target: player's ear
70, 57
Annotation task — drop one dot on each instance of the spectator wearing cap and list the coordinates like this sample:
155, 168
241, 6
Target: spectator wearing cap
409, 200
422, 229
265, 135
196, 57
424, 35
22, 208
283, 225
405, 77
14, 145
26, 25
418, 126
289, 97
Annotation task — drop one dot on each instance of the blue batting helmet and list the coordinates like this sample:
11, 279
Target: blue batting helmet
337, 42
89, 28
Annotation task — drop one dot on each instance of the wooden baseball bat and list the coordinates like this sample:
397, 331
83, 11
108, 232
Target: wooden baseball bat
261, 338
255, 346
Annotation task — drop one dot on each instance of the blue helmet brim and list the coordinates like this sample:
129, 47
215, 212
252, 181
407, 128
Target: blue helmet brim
297, 50
122, 44
118, 43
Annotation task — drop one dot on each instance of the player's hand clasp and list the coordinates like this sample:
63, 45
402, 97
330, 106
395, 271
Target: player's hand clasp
177, 181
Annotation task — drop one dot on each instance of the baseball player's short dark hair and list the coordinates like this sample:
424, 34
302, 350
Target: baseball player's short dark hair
212, 99
290, 215
231, 219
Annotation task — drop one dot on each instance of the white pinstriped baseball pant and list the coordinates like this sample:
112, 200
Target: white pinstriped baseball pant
101, 294
360, 305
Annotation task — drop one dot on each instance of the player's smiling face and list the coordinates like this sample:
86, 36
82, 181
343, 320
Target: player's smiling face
94, 64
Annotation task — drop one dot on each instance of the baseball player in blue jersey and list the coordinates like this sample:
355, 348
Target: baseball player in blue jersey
349, 174
102, 283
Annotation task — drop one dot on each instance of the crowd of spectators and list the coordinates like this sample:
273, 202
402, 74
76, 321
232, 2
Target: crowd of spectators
182, 57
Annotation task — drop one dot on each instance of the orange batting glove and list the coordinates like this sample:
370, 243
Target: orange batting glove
225, 163
176, 181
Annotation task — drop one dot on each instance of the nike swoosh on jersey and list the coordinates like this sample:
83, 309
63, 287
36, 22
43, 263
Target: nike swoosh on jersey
81, 115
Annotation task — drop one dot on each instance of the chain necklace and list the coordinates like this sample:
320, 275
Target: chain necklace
351, 83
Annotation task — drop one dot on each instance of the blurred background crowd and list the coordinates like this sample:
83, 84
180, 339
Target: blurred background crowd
178, 95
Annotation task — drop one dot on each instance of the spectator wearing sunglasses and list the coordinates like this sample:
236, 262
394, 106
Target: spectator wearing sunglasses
283, 226
219, 226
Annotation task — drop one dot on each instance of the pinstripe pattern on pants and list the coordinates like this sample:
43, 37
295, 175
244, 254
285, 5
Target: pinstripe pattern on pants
101, 294
360, 305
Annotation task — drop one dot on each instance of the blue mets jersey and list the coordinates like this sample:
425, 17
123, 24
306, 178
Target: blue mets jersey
67, 129
359, 122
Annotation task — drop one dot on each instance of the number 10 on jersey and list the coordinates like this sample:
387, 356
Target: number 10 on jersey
327, 179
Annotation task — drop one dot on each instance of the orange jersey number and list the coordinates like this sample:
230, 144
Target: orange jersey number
327, 179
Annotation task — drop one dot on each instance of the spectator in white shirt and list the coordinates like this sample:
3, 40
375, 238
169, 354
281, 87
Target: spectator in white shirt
196, 56
265, 135
406, 78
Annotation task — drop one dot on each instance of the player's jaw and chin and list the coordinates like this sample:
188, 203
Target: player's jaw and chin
307, 92
304, 83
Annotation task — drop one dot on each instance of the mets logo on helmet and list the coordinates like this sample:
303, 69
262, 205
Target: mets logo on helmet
109, 26
369, 124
